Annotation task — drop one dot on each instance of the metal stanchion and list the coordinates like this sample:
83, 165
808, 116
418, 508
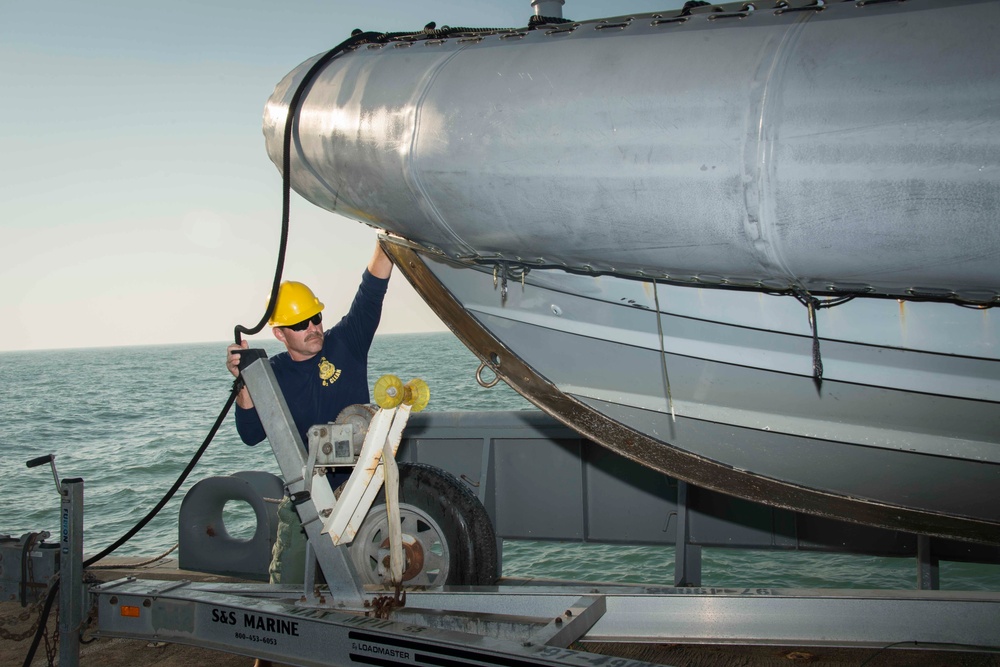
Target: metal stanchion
70, 571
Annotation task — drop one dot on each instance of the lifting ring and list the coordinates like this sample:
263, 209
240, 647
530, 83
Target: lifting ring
479, 377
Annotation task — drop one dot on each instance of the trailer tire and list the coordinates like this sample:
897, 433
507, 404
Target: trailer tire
448, 537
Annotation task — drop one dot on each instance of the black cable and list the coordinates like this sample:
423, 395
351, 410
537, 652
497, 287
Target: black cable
356, 39
50, 599
43, 621
29, 544
177, 484
286, 169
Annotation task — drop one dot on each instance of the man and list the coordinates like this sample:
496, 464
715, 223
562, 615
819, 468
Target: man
320, 373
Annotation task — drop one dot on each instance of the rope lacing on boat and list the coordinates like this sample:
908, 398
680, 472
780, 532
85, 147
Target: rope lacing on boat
813, 304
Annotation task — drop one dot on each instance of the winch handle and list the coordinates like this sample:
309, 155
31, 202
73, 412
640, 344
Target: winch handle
41, 460
51, 460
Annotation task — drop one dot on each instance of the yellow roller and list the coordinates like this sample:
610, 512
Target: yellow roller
388, 391
416, 394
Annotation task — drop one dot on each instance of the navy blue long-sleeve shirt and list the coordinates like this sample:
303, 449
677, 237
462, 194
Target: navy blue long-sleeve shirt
317, 389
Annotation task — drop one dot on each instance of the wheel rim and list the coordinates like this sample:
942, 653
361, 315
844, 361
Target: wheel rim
425, 549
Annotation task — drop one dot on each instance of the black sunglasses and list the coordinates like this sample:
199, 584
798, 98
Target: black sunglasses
316, 319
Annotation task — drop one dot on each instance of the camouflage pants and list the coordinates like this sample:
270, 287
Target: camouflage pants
288, 556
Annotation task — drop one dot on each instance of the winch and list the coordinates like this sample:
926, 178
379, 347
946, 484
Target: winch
338, 443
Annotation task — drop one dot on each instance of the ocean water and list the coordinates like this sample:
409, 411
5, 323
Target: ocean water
128, 420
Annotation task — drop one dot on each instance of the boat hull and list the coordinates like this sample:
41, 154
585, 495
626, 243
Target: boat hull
742, 234
899, 434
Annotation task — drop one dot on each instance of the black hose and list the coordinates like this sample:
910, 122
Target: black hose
357, 38
173, 489
50, 599
286, 169
43, 621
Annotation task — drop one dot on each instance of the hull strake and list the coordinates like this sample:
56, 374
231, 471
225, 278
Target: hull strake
890, 456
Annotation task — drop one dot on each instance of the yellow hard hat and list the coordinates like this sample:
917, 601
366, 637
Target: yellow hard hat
296, 303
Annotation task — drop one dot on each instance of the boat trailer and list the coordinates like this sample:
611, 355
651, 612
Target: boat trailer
590, 495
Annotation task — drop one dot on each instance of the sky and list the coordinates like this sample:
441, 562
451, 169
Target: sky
137, 203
